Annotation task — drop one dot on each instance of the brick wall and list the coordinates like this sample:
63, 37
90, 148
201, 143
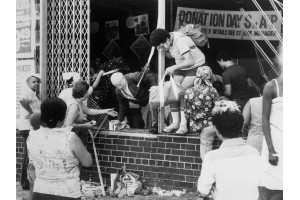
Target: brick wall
19, 154
168, 161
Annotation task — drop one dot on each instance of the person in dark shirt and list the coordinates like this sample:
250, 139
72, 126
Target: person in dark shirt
104, 93
127, 91
235, 79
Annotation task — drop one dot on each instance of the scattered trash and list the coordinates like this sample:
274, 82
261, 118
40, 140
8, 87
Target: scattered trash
161, 192
90, 189
126, 184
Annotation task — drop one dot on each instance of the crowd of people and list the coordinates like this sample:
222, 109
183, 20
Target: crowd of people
208, 104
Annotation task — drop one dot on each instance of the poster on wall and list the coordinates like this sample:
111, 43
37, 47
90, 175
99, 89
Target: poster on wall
25, 28
109, 48
140, 47
112, 30
225, 24
141, 25
24, 67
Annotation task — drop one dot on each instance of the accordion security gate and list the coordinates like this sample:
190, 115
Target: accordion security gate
67, 42
68, 46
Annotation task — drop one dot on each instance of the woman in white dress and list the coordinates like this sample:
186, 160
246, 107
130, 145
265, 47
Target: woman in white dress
272, 128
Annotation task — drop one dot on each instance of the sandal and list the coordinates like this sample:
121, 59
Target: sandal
182, 130
171, 128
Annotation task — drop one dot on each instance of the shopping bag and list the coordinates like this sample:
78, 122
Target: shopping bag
166, 92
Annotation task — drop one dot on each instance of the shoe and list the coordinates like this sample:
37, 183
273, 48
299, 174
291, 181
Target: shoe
182, 130
154, 129
25, 187
171, 128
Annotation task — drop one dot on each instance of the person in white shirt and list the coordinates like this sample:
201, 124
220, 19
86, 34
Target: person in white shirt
233, 171
188, 57
30, 104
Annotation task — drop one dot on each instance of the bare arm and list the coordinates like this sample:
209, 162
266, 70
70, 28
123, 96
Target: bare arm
80, 152
97, 81
247, 117
72, 115
249, 84
268, 95
188, 61
227, 90
25, 104
91, 111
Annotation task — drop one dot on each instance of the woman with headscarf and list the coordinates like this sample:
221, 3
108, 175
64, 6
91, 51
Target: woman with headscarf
198, 104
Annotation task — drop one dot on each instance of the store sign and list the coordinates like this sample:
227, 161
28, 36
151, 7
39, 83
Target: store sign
225, 24
25, 24
24, 67
140, 47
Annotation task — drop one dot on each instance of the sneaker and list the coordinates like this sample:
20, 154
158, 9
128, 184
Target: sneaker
171, 128
182, 130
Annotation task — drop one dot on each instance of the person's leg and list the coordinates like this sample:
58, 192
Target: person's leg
207, 136
263, 193
187, 82
146, 116
175, 110
154, 119
24, 181
276, 195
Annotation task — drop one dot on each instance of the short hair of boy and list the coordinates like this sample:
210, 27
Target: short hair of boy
228, 119
159, 36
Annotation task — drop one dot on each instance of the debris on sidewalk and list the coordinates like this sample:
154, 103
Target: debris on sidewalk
126, 184
161, 192
90, 189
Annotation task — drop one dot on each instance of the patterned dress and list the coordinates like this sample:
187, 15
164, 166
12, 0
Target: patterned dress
199, 102
56, 167
105, 92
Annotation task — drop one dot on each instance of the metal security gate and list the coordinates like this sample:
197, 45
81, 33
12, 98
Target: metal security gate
68, 46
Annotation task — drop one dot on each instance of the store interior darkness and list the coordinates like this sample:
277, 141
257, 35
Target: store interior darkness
107, 10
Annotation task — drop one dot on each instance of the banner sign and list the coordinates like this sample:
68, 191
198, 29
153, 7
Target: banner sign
24, 67
225, 24
25, 21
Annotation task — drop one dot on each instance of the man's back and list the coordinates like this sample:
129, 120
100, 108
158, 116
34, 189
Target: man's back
236, 76
235, 168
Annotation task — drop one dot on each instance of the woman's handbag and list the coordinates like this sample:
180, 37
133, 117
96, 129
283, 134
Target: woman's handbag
171, 91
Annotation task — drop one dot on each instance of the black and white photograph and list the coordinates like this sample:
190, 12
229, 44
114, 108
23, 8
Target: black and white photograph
151, 100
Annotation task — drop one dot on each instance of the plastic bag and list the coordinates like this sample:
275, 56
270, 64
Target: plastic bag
171, 91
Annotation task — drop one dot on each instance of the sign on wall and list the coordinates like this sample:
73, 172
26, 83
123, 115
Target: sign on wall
25, 25
140, 47
109, 48
141, 25
112, 30
225, 24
